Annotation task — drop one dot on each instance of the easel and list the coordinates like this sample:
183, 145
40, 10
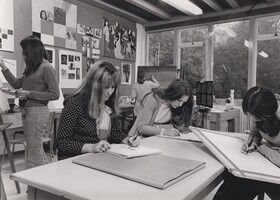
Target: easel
4, 106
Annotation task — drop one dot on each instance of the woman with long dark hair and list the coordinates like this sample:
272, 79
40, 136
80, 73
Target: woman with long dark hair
35, 88
165, 111
261, 105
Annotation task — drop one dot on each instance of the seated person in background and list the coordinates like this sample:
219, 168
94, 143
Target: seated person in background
262, 106
165, 111
141, 88
89, 121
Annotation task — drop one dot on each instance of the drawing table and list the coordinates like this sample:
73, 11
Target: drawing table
66, 180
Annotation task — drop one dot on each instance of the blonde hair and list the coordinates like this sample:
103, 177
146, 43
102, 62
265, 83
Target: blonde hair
99, 76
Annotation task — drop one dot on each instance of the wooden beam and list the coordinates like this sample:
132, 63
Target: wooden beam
213, 5
120, 12
233, 3
241, 12
150, 8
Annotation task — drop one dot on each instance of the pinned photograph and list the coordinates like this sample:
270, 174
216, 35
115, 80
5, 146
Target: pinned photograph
85, 41
95, 43
81, 29
97, 33
126, 73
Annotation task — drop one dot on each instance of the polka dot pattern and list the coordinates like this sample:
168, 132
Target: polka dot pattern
77, 128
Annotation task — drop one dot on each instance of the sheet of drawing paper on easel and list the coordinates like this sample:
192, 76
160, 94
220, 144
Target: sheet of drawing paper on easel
4, 104
227, 148
183, 136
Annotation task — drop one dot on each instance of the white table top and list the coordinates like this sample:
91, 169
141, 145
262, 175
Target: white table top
78, 182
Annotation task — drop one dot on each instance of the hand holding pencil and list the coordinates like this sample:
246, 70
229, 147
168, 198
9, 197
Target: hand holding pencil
248, 146
135, 140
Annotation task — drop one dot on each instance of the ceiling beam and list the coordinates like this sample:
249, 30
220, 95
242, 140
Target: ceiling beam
150, 8
213, 5
240, 13
122, 13
185, 6
233, 3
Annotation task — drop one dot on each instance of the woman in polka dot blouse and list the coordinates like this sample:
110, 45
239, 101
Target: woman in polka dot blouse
89, 120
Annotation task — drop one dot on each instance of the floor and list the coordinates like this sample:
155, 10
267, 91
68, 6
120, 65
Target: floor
10, 187
9, 184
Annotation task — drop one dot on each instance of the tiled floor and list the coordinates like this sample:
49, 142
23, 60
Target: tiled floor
10, 187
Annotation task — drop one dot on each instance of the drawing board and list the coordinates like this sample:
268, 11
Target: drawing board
226, 147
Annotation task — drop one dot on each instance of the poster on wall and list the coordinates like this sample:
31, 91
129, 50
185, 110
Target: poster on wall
12, 65
119, 40
70, 69
126, 72
55, 22
7, 25
50, 55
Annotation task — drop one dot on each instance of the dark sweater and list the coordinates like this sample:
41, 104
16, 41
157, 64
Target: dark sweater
42, 85
77, 128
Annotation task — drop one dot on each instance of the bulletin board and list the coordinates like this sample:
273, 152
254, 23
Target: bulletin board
27, 21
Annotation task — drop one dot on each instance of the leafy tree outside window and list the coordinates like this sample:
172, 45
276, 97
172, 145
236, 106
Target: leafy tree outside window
161, 48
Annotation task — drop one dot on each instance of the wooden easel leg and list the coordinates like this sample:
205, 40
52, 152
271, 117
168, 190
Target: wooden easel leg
2, 189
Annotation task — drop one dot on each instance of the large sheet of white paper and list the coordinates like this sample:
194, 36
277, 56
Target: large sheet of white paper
4, 105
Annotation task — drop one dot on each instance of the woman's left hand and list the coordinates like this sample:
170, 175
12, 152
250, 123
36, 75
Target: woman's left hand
171, 132
271, 154
22, 94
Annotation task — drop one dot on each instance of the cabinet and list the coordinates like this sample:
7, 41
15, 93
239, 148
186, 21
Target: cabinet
219, 119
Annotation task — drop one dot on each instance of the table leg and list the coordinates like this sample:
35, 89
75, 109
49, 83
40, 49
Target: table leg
7, 145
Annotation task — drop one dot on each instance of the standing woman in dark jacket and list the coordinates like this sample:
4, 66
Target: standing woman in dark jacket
89, 121
35, 88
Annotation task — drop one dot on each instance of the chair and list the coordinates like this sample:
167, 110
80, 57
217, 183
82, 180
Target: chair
46, 138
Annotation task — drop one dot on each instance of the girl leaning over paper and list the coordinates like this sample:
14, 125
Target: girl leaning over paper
261, 105
89, 121
35, 88
165, 111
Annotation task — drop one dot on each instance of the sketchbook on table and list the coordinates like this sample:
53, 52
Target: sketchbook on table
126, 151
226, 147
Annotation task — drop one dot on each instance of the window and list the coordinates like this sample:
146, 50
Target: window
230, 59
193, 35
192, 54
161, 47
269, 25
268, 48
